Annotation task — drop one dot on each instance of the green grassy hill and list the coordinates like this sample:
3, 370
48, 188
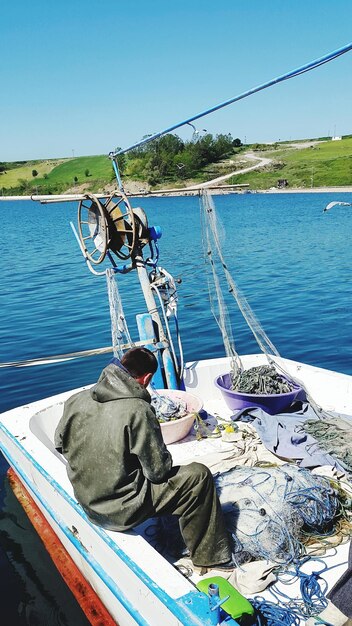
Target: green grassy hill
97, 168
56, 176
326, 163
14, 173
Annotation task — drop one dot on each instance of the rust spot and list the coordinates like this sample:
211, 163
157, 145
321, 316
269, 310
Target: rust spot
90, 603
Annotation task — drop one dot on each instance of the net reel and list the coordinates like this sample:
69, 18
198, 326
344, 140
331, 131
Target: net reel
110, 225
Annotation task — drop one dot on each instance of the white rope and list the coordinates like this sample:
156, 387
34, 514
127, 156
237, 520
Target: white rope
57, 358
61, 358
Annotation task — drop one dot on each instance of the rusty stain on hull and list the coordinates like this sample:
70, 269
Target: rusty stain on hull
90, 603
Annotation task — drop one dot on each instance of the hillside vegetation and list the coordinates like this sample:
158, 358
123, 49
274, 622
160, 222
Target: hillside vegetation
55, 176
170, 162
324, 164
167, 160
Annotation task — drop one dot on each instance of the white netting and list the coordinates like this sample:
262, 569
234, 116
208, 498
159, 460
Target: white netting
266, 510
119, 329
214, 255
212, 234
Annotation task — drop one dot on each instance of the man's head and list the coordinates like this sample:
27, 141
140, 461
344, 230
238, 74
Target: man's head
141, 364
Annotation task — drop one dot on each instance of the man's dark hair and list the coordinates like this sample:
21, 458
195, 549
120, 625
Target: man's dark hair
139, 361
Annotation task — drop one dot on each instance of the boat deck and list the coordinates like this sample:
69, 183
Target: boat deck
27, 442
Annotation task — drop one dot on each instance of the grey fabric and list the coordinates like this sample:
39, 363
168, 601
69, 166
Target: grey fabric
341, 594
121, 470
284, 435
254, 577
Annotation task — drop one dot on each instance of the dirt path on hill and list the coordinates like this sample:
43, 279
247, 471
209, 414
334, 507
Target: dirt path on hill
262, 162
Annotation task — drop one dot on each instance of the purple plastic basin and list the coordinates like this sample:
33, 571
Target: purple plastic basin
271, 403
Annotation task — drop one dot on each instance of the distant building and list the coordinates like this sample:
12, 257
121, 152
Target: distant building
282, 182
336, 138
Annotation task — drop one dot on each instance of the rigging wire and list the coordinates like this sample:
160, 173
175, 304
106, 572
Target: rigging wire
292, 74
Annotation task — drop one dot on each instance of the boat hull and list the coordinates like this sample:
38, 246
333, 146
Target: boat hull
85, 595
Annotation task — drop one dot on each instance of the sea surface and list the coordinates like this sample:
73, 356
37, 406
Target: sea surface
292, 261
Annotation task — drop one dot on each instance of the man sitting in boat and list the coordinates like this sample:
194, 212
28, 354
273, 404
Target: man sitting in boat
121, 470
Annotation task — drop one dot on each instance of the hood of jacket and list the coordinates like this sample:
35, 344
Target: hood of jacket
116, 383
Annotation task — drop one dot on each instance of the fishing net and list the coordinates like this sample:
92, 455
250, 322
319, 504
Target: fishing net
220, 278
211, 236
267, 510
212, 229
167, 408
119, 329
263, 379
334, 435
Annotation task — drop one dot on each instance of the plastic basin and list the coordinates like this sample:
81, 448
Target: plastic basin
270, 403
175, 430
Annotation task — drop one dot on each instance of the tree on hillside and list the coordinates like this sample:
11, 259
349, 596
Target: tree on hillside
75, 179
163, 152
172, 144
223, 146
34, 173
202, 151
86, 172
169, 158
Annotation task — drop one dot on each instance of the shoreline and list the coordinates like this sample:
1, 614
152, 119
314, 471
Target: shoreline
347, 189
189, 192
220, 192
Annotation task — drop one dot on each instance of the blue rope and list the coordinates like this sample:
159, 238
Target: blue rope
313, 588
292, 74
270, 614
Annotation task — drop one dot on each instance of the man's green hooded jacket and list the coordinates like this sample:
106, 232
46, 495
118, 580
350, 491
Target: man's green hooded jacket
112, 441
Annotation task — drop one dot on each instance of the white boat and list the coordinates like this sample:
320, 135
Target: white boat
129, 579
135, 583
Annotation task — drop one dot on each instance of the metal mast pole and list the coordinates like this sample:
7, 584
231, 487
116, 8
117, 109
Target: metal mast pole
158, 328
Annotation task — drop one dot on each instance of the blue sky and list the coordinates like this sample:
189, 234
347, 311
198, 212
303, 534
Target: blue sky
82, 78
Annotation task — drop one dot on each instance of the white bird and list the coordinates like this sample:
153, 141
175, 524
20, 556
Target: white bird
331, 204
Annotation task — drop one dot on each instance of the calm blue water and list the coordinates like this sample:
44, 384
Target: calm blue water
293, 263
